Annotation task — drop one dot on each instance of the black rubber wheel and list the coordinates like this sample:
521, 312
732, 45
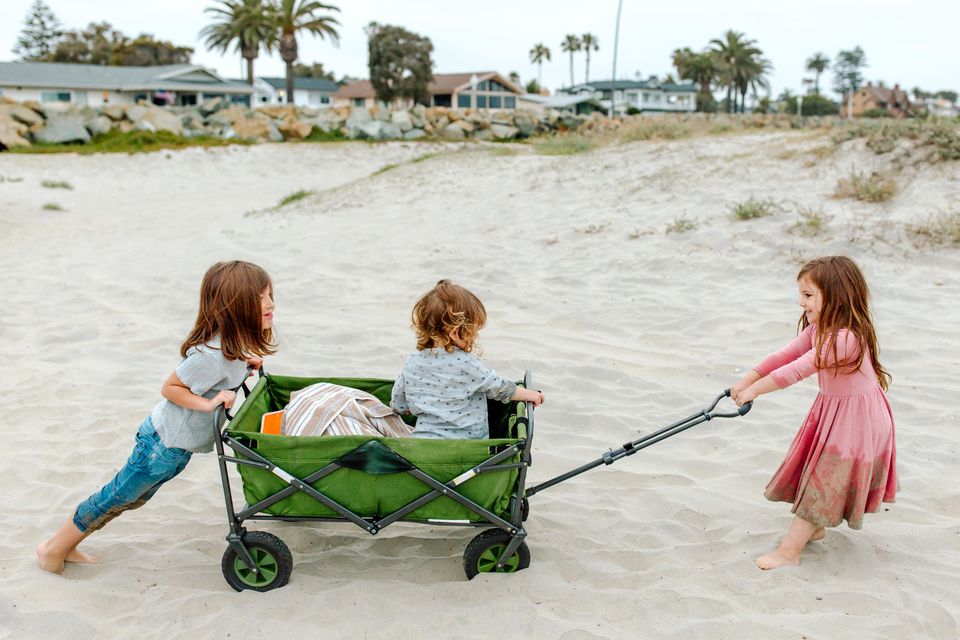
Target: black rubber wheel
524, 509
273, 561
485, 550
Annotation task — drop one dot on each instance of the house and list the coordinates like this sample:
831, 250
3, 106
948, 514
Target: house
94, 85
307, 92
870, 97
940, 107
482, 90
581, 104
641, 95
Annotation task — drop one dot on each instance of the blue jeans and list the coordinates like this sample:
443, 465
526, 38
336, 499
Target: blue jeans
148, 467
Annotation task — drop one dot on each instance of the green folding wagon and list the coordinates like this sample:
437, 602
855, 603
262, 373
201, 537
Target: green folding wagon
374, 482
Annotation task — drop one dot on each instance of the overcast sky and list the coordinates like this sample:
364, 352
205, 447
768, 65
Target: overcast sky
912, 43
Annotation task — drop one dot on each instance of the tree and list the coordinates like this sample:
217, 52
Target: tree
250, 24
39, 35
533, 87
589, 41
753, 75
400, 63
101, 44
314, 70
739, 61
571, 44
514, 77
818, 63
847, 75
294, 16
701, 68
946, 95
538, 54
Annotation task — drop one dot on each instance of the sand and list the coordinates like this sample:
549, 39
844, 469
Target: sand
625, 326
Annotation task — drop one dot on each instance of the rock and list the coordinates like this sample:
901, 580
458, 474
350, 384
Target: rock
273, 132
467, 127
11, 132
402, 119
226, 117
414, 134
21, 114
293, 129
454, 115
441, 123
115, 112
525, 123
453, 132
279, 111
357, 117
253, 129
483, 134
135, 111
159, 120
61, 129
379, 130
503, 132
212, 105
98, 125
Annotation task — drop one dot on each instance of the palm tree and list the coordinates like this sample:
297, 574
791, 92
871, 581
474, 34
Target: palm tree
703, 69
736, 54
570, 44
589, 41
249, 23
300, 15
818, 63
538, 54
753, 75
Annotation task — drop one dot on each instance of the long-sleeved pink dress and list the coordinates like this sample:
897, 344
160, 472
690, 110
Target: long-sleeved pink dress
842, 462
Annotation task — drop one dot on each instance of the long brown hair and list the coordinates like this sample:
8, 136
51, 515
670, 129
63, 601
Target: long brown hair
230, 308
446, 309
845, 306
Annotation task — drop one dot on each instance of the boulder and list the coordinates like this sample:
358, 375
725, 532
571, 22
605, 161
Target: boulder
454, 115
11, 132
466, 126
115, 112
159, 120
212, 105
226, 117
60, 129
273, 132
525, 123
503, 132
135, 111
98, 125
402, 119
21, 114
483, 134
293, 129
253, 129
357, 117
453, 132
418, 115
441, 123
279, 111
414, 134
379, 130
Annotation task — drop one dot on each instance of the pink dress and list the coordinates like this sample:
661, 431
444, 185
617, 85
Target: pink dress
842, 462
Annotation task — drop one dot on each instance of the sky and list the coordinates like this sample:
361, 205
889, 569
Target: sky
910, 43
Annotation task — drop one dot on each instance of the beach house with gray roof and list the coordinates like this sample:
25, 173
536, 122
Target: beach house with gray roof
94, 85
307, 92
641, 95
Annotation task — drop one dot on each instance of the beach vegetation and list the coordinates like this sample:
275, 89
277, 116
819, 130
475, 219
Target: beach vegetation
400, 63
567, 144
654, 129
249, 25
681, 224
301, 16
538, 54
740, 67
129, 142
752, 208
876, 113
10, 179
56, 184
810, 223
817, 63
296, 196
319, 135
52, 206
942, 229
387, 167
875, 187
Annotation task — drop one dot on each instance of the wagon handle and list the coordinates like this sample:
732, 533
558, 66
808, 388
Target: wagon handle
630, 448
246, 390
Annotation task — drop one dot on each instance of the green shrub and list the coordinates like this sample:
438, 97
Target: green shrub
751, 209
812, 222
129, 142
563, 145
942, 229
294, 197
876, 113
52, 206
56, 184
319, 135
681, 224
873, 188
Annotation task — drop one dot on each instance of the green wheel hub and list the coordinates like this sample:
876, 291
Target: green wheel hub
266, 564
487, 562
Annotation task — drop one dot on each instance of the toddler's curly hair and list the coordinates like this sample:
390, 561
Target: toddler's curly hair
446, 315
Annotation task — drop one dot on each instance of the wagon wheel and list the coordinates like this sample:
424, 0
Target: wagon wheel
486, 549
270, 555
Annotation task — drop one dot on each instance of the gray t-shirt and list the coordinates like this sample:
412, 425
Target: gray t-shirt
206, 372
448, 392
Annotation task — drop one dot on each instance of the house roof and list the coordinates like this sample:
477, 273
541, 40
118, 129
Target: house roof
177, 77
307, 84
884, 96
441, 83
608, 85
560, 101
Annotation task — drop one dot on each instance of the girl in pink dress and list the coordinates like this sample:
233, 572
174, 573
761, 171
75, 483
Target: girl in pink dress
842, 462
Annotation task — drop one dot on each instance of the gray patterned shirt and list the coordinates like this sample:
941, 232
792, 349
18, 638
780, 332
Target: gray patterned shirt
448, 392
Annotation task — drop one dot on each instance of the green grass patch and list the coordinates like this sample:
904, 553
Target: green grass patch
942, 229
654, 129
563, 145
52, 206
810, 223
752, 208
129, 142
940, 137
296, 196
385, 168
876, 187
9, 179
56, 184
424, 157
319, 135
681, 224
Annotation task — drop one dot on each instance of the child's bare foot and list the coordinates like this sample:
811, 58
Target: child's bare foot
75, 555
777, 559
48, 561
819, 534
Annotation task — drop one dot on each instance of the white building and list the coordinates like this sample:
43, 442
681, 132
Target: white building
307, 92
95, 85
644, 96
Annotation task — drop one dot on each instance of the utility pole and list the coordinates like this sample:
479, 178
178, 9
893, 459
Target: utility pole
616, 42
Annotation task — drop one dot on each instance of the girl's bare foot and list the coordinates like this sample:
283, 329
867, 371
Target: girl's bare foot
49, 561
819, 534
777, 559
75, 555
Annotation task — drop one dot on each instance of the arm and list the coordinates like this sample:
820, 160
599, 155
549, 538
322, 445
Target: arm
199, 372
398, 398
179, 394
791, 352
528, 395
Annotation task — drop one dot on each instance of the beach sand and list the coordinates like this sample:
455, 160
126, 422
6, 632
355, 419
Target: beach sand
626, 327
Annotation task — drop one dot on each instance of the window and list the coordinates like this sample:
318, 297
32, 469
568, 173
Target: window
481, 102
494, 102
463, 100
442, 100
483, 86
358, 102
510, 102
55, 96
324, 99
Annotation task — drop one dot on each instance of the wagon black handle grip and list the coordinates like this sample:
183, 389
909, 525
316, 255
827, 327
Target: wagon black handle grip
246, 389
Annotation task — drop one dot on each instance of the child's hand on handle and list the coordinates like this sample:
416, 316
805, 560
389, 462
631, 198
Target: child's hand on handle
748, 379
529, 395
254, 363
744, 396
225, 397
